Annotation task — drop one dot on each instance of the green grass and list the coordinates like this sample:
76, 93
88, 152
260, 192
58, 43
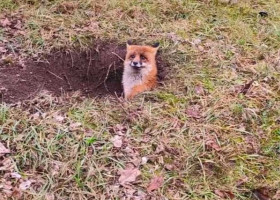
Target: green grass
236, 138
7, 5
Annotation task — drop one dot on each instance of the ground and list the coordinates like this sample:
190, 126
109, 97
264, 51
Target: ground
211, 130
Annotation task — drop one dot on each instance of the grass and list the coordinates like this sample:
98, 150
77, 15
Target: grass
64, 144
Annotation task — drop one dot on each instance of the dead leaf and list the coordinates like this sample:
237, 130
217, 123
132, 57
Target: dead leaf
129, 151
55, 168
25, 185
119, 129
16, 193
3, 50
129, 192
5, 22
140, 195
93, 26
241, 181
196, 41
7, 165
169, 167
35, 116
7, 187
173, 150
155, 183
128, 175
200, 48
199, 90
160, 148
262, 193
67, 7
211, 143
88, 132
175, 38
193, 111
224, 194
75, 126
18, 25
49, 196
117, 141
253, 144
136, 161
59, 118
15, 175
160, 160
113, 189
246, 87
20, 32
3, 149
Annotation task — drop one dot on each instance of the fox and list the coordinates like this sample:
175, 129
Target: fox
140, 69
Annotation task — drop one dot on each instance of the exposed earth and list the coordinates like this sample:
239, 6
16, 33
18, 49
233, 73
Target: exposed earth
94, 72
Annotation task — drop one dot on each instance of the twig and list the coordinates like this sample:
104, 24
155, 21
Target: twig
68, 82
106, 77
12, 48
55, 75
108, 71
44, 61
97, 49
89, 64
118, 56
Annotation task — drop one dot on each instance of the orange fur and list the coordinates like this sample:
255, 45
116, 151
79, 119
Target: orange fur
137, 80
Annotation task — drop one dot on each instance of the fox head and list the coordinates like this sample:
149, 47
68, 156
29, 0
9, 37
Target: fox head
140, 57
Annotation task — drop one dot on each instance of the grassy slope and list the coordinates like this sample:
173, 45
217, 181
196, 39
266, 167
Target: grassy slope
235, 138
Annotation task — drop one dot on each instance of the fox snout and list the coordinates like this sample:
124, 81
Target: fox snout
136, 64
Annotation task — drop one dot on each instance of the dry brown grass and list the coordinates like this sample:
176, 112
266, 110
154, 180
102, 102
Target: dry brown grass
208, 131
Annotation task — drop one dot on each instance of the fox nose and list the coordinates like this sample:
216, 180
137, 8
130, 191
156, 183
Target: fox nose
135, 63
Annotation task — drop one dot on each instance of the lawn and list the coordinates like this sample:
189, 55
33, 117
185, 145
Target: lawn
211, 130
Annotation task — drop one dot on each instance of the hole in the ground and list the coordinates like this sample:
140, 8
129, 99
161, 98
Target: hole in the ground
95, 72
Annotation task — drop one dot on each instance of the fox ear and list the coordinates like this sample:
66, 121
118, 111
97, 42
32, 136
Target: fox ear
156, 45
128, 43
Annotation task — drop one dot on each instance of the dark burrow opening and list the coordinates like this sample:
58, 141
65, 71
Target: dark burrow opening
94, 72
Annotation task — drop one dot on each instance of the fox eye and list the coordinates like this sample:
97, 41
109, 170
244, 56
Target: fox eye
143, 57
132, 56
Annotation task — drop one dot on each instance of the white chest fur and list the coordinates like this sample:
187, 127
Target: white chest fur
132, 78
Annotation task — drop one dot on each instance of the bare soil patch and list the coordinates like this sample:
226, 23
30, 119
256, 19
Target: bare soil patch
94, 72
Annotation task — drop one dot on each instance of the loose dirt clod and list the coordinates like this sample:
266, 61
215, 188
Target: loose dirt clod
94, 72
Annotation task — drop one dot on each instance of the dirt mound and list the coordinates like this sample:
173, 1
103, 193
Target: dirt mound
95, 72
